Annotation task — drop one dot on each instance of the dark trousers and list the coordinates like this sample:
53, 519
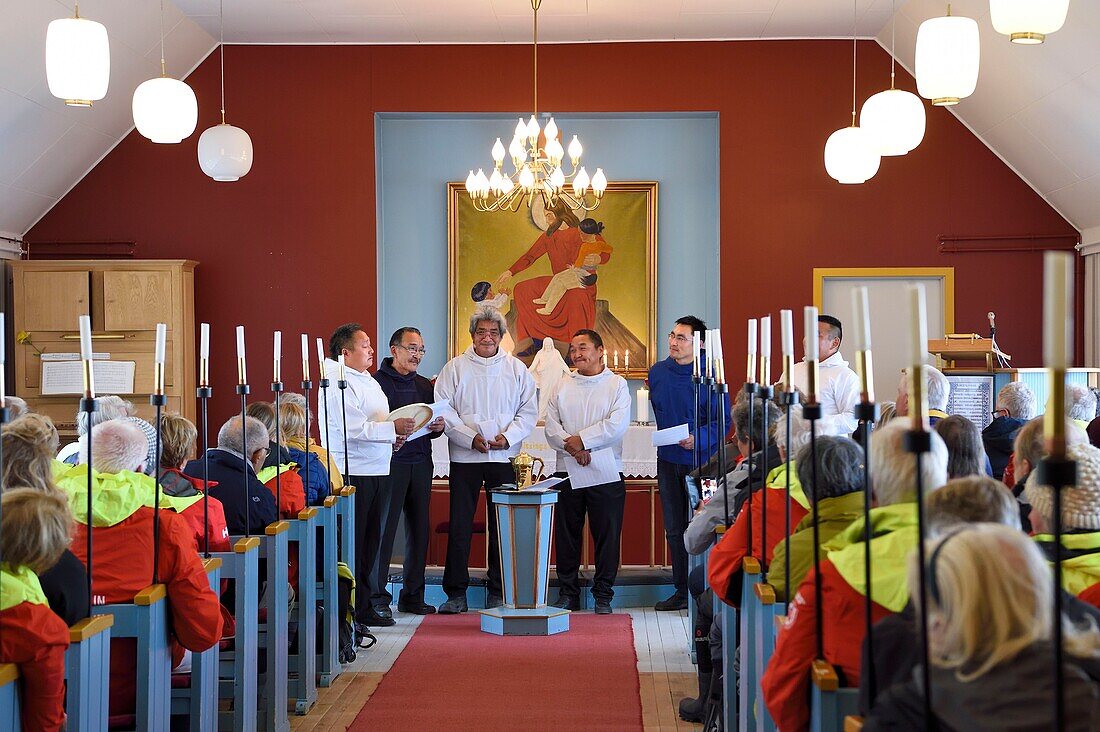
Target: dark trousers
410, 490
369, 506
604, 505
466, 482
675, 510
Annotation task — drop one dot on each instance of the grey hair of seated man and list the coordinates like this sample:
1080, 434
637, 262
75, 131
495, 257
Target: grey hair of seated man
118, 446
108, 407
839, 467
1018, 399
1080, 403
16, 407
939, 388
292, 397
488, 314
893, 467
255, 436
970, 500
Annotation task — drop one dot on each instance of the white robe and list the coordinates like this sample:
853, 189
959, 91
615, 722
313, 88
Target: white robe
837, 393
597, 408
370, 436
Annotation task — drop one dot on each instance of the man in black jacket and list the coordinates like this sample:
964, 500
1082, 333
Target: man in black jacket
1015, 406
410, 478
249, 505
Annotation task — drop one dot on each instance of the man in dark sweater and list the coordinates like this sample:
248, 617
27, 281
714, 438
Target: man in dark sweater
672, 394
410, 478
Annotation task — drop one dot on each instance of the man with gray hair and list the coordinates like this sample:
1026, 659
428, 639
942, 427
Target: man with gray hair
1015, 406
1080, 405
939, 393
249, 505
494, 397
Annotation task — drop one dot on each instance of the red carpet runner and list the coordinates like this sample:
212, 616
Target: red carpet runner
452, 676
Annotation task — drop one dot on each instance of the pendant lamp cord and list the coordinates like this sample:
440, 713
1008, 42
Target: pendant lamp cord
893, 37
855, 13
162, 71
221, 38
535, 6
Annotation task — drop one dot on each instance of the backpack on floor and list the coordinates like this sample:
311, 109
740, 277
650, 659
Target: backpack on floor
352, 637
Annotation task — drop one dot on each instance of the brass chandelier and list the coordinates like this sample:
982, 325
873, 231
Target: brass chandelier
537, 168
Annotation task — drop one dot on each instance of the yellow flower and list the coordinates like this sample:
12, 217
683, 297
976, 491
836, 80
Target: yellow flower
22, 337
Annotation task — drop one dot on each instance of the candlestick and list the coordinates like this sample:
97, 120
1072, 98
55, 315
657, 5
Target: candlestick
278, 353
809, 317
86, 355
719, 359
918, 396
158, 358
204, 354
752, 352
861, 312
340, 360
643, 404
1057, 309
696, 367
766, 350
242, 370
305, 357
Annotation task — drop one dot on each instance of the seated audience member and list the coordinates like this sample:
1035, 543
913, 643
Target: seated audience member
265, 412
965, 454
887, 412
34, 534
109, 407
16, 407
785, 684
1080, 405
1015, 406
1080, 523
178, 438
989, 613
122, 566
291, 490
28, 462
939, 394
249, 506
335, 477
294, 435
840, 490
1030, 449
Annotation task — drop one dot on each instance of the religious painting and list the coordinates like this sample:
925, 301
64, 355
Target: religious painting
553, 272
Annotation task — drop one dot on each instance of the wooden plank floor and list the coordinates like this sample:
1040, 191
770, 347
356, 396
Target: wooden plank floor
665, 673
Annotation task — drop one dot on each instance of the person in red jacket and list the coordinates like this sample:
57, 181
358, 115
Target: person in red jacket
122, 536
178, 438
34, 534
786, 681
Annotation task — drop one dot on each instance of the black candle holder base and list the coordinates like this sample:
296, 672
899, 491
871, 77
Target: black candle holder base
204, 392
307, 385
812, 412
89, 405
867, 412
158, 400
242, 389
788, 398
277, 386
918, 441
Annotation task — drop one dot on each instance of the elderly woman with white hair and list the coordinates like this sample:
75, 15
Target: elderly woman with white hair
939, 394
110, 406
989, 635
1015, 406
1080, 405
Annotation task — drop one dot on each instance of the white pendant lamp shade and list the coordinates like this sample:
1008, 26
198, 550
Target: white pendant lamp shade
1028, 21
78, 60
165, 110
948, 52
225, 152
850, 156
894, 120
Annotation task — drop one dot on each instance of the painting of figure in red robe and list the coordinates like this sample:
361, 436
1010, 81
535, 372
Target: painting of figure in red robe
552, 271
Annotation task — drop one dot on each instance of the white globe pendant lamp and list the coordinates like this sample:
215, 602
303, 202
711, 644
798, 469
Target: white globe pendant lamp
894, 118
1028, 22
850, 154
225, 151
165, 109
78, 60
947, 58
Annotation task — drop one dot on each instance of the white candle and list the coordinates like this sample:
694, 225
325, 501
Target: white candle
643, 404
752, 336
626, 361
719, 360
85, 337
786, 328
240, 341
697, 337
321, 357
278, 357
766, 349
242, 373
809, 315
861, 311
1057, 309
605, 359
340, 360
616, 359
305, 357
204, 341
162, 337
710, 353
918, 318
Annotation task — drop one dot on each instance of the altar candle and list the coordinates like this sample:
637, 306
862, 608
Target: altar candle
695, 341
616, 359
643, 404
918, 330
626, 361
809, 315
85, 337
242, 372
605, 359
766, 350
1057, 309
305, 357
340, 360
786, 328
278, 354
861, 311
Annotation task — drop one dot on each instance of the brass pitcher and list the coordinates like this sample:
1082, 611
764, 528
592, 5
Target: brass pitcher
524, 467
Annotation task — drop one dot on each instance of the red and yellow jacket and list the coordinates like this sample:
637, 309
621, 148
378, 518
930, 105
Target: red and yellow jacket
724, 562
786, 682
35, 639
291, 487
184, 489
1080, 563
122, 565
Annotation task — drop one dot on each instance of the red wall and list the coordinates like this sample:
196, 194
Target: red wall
291, 245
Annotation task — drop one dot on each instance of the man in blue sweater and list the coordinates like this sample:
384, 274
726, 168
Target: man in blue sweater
673, 396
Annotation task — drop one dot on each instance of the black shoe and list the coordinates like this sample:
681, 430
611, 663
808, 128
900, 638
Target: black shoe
374, 620
675, 602
384, 611
492, 601
571, 603
693, 710
603, 606
415, 608
454, 606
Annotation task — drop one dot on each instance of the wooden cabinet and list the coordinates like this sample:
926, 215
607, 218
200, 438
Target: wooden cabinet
126, 299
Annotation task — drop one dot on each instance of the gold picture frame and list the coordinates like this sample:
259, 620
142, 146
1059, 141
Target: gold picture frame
613, 290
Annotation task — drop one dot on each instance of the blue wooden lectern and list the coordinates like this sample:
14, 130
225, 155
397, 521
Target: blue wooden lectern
525, 520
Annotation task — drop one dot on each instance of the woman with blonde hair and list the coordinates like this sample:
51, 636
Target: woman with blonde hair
989, 620
293, 419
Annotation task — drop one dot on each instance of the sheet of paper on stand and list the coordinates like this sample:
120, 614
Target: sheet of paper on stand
601, 469
543, 485
67, 377
670, 435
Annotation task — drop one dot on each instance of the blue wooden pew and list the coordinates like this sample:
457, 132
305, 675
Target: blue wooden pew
274, 629
196, 700
88, 674
238, 664
146, 621
303, 663
345, 513
11, 715
729, 663
747, 683
830, 704
764, 633
328, 642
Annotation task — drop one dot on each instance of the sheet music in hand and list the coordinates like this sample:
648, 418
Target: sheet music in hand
601, 469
